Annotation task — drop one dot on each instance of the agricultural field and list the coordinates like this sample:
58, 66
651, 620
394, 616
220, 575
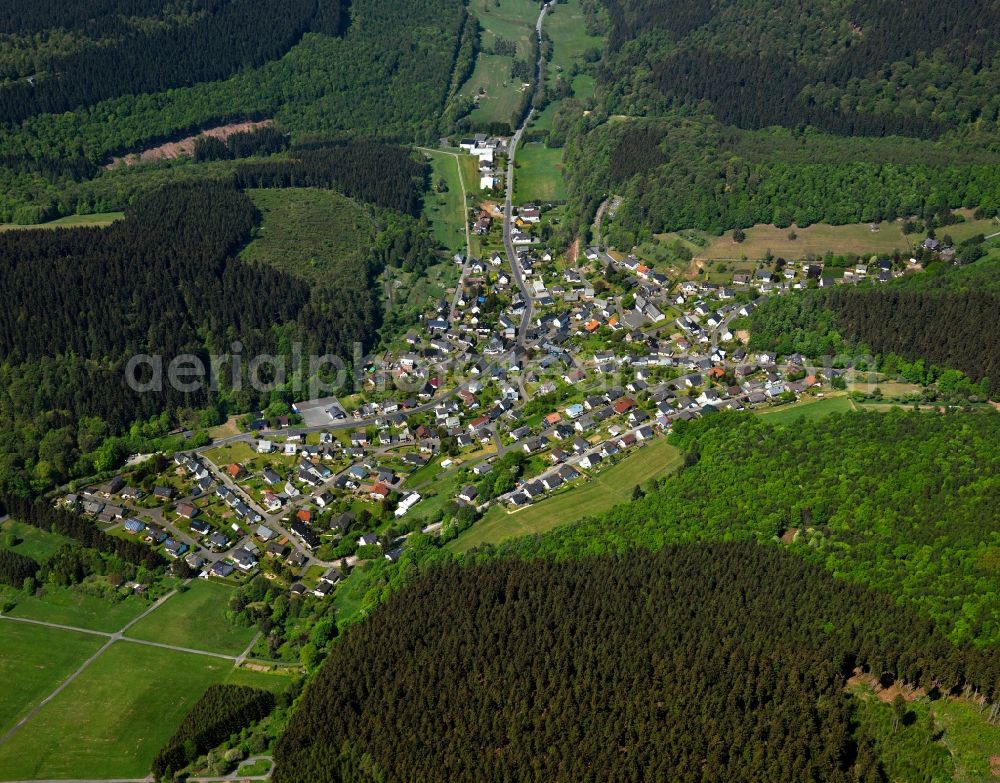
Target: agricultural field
605, 490
112, 719
34, 660
509, 20
196, 618
310, 233
538, 175
809, 408
820, 238
98, 219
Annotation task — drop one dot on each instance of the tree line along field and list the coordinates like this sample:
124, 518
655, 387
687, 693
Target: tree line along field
111, 720
94, 219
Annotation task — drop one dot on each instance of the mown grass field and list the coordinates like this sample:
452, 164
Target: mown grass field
70, 221
32, 542
309, 233
196, 618
809, 408
607, 489
66, 606
538, 174
819, 238
446, 211
34, 660
112, 719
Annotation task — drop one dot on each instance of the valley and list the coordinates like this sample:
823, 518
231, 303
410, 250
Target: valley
324, 431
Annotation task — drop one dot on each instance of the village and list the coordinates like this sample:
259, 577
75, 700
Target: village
538, 371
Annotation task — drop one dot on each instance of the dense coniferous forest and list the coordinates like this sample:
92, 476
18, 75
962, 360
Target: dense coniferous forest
383, 174
265, 140
761, 64
221, 711
42, 515
716, 662
945, 328
151, 281
219, 38
15, 568
387, 75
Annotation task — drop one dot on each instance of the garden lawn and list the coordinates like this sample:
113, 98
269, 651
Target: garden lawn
195, 618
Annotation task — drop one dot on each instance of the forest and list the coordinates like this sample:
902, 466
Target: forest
671, 665
387, 75
680, 172
221, 711
149, 285
383, 174
214, 39
782, 63
15, 568
941, 327
863, 494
